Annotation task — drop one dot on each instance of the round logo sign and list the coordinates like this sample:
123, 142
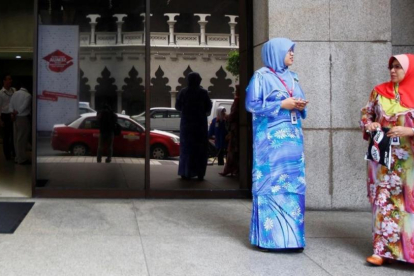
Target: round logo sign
375, 153
379, 136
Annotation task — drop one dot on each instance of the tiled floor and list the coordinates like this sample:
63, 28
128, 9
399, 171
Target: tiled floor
15, 180
178, 237
122, 173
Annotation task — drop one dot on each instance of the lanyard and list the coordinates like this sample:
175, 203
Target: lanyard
290, 91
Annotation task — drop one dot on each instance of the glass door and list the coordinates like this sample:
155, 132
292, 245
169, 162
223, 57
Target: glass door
90, 132
195, 123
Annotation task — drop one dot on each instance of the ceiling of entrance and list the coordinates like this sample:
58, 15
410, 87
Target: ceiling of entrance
11, 53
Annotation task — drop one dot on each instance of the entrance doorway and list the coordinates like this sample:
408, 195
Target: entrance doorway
94, 58
194, 37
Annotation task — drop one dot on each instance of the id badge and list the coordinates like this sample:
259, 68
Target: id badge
395, 141
293, 117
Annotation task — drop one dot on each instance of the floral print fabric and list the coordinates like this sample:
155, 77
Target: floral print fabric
391, 192
278, 168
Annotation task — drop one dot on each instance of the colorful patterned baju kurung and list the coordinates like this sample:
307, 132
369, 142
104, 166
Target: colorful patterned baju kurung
391, 192
278, 159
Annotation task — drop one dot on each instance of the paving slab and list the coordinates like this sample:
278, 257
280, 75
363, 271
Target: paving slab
346, 256
221, 256
51, 255
80, 217
192, 218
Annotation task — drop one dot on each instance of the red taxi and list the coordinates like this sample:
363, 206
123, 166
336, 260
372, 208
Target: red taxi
82, 135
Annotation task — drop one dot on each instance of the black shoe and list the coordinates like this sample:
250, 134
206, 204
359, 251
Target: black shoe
200, 178
185, 177
27, 162
99, 160
107, 160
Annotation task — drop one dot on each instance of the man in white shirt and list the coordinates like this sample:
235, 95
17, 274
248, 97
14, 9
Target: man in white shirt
21, 107
5, 94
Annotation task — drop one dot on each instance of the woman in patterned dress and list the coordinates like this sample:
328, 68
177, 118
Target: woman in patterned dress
391, 192
276, 100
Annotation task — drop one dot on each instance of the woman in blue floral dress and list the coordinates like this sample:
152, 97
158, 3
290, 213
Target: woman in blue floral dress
277, 103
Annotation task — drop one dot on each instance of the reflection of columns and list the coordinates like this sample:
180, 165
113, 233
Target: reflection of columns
119, 23
119, 101
143, 21
93, 23
173, 97
171, 22
93, 99
232, 24
203, 22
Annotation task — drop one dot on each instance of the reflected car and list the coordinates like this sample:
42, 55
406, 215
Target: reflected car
84, 107
162, 118
81, 138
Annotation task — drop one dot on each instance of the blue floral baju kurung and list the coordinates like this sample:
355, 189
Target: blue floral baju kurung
278, 159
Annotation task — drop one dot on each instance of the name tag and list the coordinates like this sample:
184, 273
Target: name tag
293, 117
395, 141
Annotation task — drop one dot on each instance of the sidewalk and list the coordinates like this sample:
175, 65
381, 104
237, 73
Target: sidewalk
177, 237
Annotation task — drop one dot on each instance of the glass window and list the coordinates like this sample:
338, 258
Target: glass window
127, 125
90, 54
158, 114
90, 123
174, 114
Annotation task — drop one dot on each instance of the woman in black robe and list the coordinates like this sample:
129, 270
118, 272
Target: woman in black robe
195, 105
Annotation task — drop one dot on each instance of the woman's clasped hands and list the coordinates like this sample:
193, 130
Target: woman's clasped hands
294, 103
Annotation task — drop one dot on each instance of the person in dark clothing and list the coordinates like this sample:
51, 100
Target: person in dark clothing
6, 117
232, 154
218, 130
107, 120
195, 105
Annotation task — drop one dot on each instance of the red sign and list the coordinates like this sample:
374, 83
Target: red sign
54, 96
58, 61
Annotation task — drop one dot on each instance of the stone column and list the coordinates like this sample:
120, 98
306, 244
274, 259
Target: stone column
93, 23
119, 101
143, 21
329, 48
232, 24
92, 98
171, 22
173, 98
202, 22
119, 23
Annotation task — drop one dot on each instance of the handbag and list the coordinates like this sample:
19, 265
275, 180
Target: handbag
117, 129
379, 148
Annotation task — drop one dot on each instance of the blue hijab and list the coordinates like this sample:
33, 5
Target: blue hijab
274, 52
264, 85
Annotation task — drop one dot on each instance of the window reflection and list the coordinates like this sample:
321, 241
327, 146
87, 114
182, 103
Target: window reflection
110, 70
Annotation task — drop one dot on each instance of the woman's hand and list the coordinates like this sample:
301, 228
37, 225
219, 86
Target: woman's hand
372, 126
400, 131
293, 103
301, 104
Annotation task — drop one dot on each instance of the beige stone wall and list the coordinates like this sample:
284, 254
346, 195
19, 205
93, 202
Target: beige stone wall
342, 48
402, 22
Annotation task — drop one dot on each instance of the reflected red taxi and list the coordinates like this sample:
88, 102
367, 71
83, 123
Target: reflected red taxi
81, 138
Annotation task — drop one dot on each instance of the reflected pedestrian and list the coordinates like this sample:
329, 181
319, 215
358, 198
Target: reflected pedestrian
219, 132
276, 100
6, 117
107, 120
20, 107
195, 105
232, 155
